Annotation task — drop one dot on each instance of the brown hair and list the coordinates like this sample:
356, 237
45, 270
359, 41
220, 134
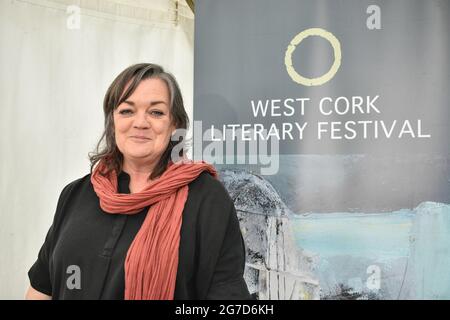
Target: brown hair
116, 94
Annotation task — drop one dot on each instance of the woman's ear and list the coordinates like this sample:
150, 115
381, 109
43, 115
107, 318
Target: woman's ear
174, 129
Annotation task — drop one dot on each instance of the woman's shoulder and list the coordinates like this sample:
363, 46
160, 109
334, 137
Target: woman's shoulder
210, 200
207, 185
76, 184
74, 187
68, 192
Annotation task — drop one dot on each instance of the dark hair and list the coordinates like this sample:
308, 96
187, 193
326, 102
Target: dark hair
116, 94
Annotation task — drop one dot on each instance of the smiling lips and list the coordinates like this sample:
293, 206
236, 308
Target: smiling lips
140, 138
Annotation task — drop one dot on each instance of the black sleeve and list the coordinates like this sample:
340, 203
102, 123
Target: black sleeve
228, 278
222, 253
39, 273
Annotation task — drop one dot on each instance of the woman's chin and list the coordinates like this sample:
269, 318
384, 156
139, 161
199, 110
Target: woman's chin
139, 155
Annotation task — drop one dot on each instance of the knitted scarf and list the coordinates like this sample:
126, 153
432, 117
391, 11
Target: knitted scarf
152, 259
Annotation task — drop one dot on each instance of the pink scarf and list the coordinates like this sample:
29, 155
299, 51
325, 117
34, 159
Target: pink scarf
152, 259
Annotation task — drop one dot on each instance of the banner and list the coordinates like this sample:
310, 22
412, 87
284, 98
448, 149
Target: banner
329, 121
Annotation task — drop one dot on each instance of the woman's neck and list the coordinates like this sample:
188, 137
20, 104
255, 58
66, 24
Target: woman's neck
138, 175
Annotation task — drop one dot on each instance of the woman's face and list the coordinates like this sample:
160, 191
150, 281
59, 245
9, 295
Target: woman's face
142, 123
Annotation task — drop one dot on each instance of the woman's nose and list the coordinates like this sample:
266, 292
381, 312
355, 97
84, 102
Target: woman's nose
141, 121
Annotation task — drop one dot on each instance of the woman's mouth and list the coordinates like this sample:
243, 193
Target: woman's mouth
140, 139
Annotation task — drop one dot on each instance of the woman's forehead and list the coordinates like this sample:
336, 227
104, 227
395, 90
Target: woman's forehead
150, 91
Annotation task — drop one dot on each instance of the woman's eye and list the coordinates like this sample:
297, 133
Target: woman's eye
156, 113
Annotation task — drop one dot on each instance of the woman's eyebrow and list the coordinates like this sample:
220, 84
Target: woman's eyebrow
131, 103
152, 103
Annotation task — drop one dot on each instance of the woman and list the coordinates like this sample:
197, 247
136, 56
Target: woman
141, 226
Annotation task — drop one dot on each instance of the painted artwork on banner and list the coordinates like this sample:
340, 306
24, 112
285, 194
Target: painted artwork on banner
329, 122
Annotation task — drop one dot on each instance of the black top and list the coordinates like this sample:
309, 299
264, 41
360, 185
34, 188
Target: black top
211, 251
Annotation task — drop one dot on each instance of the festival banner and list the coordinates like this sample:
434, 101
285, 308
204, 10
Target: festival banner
329, 122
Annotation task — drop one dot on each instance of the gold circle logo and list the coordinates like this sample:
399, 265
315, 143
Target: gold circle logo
296, 41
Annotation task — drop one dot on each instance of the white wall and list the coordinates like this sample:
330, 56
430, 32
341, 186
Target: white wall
52, 83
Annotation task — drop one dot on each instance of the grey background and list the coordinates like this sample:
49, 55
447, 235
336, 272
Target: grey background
239, 56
